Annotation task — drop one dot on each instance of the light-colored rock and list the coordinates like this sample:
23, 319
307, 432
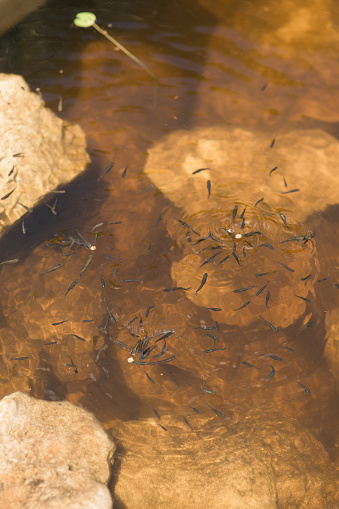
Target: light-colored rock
261, 461
53, 455
242, 168
39, 150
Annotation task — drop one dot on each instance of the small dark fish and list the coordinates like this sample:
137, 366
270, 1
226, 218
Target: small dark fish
215, 309
87, 264
131, 281
290, 349
211, 258
165, 336
133, 320
71, 286
236, 258
336, 285
291, 191
56, 267
243, 213
324, 279
133, 335
261, 289
208, 189
182, 222
249, 365
203, 281
26, 208
285, 267
213, 350
308, 324
272, 142
114, 222
19, 358
285, 183
306, 277
198, 171
147, 189
194, 409
266, 245
262, 274
121, 344
73, 366
283, 218
242, 289
305, 388
148, 310
169, 359
188, 424
50, 343
15, 260
110, 257
303, 298
103, 283
268, 295
251, 233
159, 219
224, 259
8, 194
272, 372
88, 321
123, 175
273, 169
52, 208
107, 170
163, 427
211, 236
235, 210
78, 337
257, 203
59, 323
189, 240
149, 378
243, 306
19, 154
242, 224
156, 413
10, 173
206, 390
176, 288
274, 357
216, 411
269, 324
212, 335
264, 87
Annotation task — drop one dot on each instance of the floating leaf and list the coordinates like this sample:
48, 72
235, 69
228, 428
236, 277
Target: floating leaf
84, 19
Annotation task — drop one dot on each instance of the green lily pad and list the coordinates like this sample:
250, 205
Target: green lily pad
84, 19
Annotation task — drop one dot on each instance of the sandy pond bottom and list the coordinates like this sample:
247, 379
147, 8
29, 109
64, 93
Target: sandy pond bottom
210, 74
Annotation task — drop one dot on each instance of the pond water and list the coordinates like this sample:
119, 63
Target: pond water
254, 65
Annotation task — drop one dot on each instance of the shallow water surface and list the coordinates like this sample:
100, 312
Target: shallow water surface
246, 66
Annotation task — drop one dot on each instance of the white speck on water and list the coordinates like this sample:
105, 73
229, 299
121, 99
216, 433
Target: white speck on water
238, 236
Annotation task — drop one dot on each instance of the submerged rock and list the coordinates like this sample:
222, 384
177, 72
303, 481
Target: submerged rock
39, 151
258, 462
53, 455
243, 217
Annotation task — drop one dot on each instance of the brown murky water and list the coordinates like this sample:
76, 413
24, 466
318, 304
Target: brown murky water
248, 64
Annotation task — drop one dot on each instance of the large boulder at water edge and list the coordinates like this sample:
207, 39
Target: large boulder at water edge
52, 455
39, 151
